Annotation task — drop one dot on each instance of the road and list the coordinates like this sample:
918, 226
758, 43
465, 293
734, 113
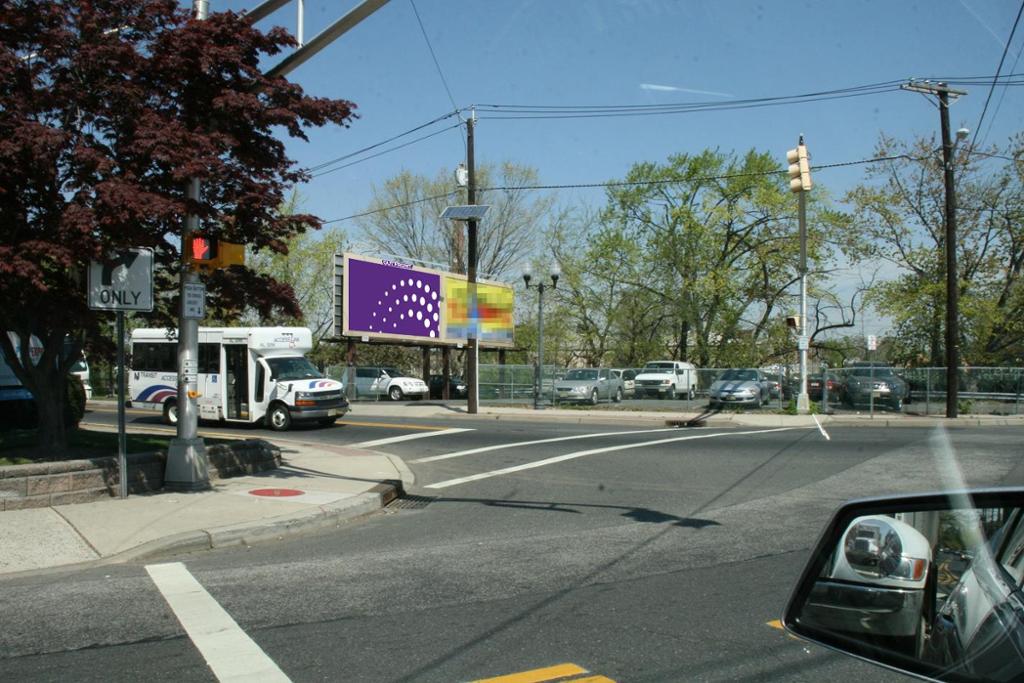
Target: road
636, 553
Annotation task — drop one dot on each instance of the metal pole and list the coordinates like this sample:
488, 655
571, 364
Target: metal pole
187, 468
803, 402
473, 399
824, 389
540, 347
952, 289
122, 445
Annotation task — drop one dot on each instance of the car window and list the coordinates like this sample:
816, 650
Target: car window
1012, 555
581, 374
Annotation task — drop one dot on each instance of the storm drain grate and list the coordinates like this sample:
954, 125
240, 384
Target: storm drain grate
411, 502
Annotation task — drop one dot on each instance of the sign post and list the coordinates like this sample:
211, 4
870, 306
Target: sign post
124, 283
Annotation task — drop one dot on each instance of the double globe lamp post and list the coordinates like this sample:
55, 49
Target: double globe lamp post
540, 287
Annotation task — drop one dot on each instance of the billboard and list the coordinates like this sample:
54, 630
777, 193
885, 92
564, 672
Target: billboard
384, 299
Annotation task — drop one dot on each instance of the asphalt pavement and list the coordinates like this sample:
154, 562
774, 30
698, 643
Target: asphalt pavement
320, 484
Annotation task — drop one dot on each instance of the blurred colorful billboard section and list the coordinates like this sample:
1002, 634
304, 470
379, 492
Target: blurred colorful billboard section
494, 311
385, 299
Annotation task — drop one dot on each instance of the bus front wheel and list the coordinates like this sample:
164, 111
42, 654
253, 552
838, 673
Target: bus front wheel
171, 413
279, 419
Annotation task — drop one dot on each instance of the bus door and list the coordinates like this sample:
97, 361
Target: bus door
211, 379
236, 383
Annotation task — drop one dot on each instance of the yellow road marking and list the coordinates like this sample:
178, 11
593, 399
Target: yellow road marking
776, 623
550, 673
592, 679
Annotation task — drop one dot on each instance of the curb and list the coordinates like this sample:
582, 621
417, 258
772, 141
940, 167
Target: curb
245, 534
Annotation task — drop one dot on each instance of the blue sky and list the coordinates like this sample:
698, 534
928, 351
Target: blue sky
595, 52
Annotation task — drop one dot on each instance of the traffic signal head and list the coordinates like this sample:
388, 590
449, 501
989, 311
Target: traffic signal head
799, 168
793, 321
207, 253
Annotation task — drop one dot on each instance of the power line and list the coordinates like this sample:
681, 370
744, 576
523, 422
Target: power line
991, 89
325, 164
387, 151
430, 47
391, 208
619, 183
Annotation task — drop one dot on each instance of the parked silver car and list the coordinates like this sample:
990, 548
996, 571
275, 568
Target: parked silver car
628, 378
740, 386
588, 385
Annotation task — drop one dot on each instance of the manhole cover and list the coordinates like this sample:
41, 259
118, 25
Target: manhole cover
410, 502
276, 493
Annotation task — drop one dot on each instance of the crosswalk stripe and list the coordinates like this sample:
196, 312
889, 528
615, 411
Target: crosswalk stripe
230, 653
594, 451
409, 437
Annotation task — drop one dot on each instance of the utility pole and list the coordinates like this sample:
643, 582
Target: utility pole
472, 349
187, 468
952, 279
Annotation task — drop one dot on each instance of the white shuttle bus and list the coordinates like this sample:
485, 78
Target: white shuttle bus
246, 374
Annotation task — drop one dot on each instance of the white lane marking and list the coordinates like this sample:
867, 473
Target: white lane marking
594, 451
498, 447
229, 652
409, 437
821, 429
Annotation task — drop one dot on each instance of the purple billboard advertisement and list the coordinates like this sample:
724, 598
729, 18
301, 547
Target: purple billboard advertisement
383, 298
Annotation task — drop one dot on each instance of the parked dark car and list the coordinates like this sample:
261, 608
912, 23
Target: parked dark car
456, 386
815, 387
863, 379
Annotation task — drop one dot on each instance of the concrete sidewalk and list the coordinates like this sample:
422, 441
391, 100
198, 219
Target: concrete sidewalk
316, 486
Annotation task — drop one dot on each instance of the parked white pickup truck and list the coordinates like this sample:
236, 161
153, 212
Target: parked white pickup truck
671, 378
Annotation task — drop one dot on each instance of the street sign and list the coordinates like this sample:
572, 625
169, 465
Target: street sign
803, 342
872, 342
125, 284
195, 301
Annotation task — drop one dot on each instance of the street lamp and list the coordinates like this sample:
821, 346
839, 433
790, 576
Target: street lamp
540, 287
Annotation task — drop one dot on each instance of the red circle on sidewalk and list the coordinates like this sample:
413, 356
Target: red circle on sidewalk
276, 493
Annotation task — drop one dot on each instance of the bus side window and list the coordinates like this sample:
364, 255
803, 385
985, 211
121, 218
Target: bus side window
209, 358
260, 376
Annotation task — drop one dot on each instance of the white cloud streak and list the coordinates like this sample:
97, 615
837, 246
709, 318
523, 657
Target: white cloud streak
671, 88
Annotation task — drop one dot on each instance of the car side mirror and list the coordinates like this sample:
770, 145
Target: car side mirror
927, 585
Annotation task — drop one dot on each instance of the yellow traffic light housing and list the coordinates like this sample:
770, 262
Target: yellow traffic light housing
208, 253
799, 168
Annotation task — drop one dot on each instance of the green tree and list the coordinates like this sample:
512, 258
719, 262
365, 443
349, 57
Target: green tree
307, 266
711, 238
899, 215
404, 225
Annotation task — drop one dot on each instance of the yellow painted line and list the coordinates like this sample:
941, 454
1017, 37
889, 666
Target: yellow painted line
592, 679
776, 623
550, 673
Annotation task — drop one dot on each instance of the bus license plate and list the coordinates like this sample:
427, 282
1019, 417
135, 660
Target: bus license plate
332, 412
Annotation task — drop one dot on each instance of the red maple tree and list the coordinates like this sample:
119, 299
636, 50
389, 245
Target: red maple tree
107, 109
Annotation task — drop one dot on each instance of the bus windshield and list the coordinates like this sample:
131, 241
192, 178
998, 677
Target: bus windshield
293, 367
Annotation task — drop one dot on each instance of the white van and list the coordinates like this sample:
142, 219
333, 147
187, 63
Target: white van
246, 374
667, 378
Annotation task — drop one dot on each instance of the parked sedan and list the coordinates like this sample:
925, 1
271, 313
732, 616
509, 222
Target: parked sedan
588, 385
744, 387
865, 379
628, 378
456, 387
